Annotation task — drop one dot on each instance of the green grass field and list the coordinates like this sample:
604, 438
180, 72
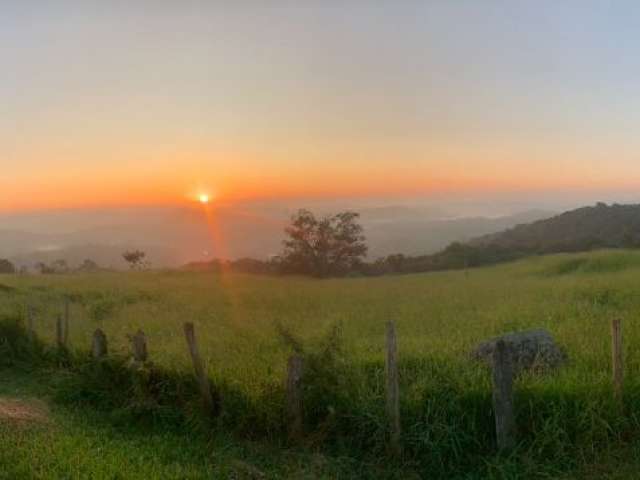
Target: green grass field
569, 424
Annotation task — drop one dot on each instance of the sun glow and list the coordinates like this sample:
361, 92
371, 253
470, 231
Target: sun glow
204, 198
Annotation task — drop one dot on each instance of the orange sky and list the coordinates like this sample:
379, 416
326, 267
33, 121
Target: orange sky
137, 185
157, 175
124, 106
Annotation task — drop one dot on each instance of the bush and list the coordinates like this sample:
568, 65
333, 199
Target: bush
6, 266
17, 347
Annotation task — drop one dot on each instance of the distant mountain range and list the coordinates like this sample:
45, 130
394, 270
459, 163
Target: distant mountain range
174, 236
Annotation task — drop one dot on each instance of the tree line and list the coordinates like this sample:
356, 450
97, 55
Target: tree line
59, 267
136, 259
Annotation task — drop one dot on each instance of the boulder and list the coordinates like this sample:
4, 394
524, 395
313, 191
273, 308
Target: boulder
534, 350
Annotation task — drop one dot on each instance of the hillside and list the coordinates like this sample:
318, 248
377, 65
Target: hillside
244, 326
579, 230
600, 226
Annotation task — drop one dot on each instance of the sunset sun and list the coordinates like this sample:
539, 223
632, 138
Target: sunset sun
204, 198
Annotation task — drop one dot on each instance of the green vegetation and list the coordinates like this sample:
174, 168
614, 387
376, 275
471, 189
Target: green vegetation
322, 247
335, 246
247, 325
580, 230
86, 444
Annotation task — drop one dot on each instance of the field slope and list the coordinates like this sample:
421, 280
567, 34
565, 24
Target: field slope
569, 424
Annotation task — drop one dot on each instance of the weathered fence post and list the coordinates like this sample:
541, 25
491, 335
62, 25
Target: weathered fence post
139, 342
60, 332
295, 367
198, 366
393, 389
65, 334
30, 325
503, 396
617, 357
99, 346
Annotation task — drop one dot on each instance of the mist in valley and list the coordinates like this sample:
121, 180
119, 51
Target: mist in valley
174, 235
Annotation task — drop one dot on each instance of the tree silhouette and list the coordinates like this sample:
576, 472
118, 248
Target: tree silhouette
6, 266
88, 266
331, 245
135, 259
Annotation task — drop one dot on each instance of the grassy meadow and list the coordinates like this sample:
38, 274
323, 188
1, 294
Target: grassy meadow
569, 425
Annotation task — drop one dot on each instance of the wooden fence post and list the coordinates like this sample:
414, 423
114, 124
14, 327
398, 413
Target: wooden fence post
65, 334
295, 367
617, 357
503, 396
139, 341
59, 332
210, 404
99, 346
393, 389
30, 325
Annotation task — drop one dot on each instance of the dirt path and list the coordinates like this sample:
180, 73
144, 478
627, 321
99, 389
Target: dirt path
23, 411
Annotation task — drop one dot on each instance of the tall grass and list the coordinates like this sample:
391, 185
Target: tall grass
248, 325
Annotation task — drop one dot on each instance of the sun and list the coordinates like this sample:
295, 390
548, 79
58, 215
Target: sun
204, 198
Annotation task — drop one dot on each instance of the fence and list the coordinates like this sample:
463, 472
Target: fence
502, 377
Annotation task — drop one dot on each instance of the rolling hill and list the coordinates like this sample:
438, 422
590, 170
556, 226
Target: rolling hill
582, 229
599, 226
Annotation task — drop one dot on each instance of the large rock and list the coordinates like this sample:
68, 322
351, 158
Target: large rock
531, 349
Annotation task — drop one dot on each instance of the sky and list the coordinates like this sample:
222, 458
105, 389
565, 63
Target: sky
143, 103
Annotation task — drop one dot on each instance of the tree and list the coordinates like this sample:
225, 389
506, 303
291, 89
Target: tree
88, 266
60, 266
6, 266
135, 259
43, 268
396, 262
331, 245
